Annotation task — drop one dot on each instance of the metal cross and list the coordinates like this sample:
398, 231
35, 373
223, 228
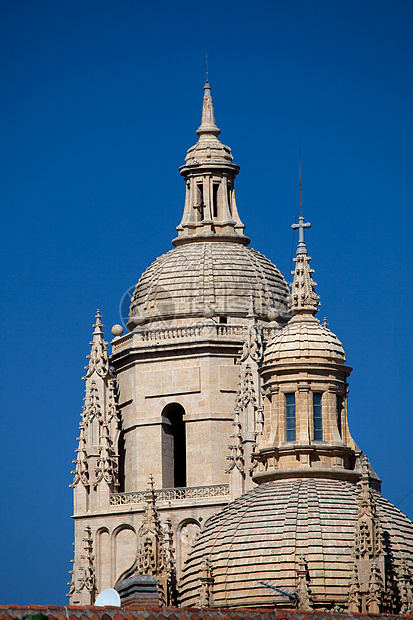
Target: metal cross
301, 248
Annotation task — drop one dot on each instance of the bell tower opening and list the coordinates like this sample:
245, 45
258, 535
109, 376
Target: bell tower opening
173, 446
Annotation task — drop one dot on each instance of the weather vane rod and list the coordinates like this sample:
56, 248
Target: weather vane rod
301, 248
206, 66
299, 173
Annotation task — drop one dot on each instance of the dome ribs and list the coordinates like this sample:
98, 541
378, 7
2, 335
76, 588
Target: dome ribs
262, 283
295, 339
258, 537
223, 275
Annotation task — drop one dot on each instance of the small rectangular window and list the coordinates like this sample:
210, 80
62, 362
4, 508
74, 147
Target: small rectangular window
215, 199
229, 188
200, 201
290, 417
317, 417
338, 406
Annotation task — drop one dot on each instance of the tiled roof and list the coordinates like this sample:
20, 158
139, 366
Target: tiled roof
135, 612
259, 536
302, 339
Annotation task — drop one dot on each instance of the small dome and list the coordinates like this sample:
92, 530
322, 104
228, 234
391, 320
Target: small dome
220, 275
304, 337
261, 535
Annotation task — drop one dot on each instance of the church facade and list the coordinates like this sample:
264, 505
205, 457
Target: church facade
214, 452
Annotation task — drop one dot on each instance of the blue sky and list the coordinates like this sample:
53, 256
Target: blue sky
100, 101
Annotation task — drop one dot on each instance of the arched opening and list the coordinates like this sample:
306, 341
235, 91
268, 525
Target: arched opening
173, 446
121, 462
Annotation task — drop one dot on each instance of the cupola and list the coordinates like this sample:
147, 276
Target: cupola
210, 208
304, 376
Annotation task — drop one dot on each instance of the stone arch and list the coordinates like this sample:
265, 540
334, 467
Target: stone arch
180, 399
103, 559
124, 549
186, 534
174, 467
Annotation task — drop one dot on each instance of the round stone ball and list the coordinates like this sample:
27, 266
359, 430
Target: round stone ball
209, 312
117, 330
273, 314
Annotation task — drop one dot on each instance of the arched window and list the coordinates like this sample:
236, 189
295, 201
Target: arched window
121, 463
173, 446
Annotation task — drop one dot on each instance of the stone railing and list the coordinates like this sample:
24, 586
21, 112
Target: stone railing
168, 495
171, 333
202, 331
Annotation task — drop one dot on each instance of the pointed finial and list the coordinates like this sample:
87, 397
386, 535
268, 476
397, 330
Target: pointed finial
206, 67
208, 125
302, 224
98, 325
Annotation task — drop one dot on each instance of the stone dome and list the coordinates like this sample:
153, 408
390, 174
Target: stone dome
192, 278
304, 337
261, 535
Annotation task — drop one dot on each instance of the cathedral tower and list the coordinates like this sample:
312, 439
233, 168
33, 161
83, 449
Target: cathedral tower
198, 318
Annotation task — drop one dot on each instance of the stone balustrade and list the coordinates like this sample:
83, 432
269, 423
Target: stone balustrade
202, 331
163, 495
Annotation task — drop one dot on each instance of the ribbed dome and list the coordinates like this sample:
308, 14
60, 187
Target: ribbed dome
261, 535
304, 337
186, 280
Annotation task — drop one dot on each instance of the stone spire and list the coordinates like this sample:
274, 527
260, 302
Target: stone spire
210, 211
208, 125
96, 463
